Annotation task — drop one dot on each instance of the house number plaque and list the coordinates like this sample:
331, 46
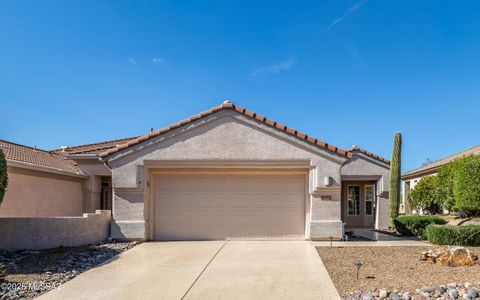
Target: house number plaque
326, 197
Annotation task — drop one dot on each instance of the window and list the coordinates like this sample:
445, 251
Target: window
369, 199
353, 196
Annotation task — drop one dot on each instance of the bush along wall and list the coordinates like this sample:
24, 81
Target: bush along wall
467, 235
415, 225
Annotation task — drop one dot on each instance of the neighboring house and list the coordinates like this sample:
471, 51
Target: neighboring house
411, 178
231, 173
40, 183
47, 184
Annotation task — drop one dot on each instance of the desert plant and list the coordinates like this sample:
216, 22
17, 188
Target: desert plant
395, 172
3, 175
424, 196
415, 225
467, 235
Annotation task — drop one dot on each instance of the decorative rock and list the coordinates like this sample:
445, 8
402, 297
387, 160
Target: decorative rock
394, 296
383, 294
420, 297
457, 256
367, 297
74, 263
472, 293
428, 289
452, 293
406, 296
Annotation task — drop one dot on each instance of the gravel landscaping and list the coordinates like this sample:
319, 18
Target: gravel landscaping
397, 273
32, 273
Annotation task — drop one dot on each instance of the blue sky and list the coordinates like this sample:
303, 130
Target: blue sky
347, 72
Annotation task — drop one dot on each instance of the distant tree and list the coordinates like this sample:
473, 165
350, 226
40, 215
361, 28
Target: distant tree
423, 195
3, 175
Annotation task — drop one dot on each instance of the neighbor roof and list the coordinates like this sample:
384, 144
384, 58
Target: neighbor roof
433, 167
34, 156
95, 148
230, 106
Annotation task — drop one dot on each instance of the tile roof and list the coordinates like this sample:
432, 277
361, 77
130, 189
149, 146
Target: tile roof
432, 167
250, 114
34, 156
368, 153
95, 148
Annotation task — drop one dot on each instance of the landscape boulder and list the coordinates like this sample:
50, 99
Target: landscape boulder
451, 256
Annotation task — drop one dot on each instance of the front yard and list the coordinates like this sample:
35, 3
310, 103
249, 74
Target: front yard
392, 268
34, 272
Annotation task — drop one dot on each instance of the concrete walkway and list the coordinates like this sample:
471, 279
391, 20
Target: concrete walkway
376, 239
207, 270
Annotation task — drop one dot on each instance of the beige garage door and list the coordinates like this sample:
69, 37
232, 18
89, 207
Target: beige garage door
222, 206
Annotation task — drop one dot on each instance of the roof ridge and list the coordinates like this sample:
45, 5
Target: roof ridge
368, 153
25, 146
96, 143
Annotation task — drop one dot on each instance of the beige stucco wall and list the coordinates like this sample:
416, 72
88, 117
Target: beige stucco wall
33, 193
224, 139
50, 232
234, 140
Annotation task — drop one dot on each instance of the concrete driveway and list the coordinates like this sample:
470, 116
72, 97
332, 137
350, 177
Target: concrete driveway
207, 270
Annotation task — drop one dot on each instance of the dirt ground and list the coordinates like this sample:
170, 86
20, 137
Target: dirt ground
391, 268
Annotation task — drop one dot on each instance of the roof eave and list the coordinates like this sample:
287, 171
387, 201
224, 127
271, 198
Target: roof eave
34, 167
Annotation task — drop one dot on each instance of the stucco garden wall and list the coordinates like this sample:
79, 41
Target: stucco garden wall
39, 194
223, 137
50, 232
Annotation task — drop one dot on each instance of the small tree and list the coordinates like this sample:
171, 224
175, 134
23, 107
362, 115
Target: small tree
3, 175
466, 186
445, 183
424, 196
395, 172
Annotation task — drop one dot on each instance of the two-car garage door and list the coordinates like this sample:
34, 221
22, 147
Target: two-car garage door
221, 206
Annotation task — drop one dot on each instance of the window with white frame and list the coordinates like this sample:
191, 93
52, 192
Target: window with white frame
369, 199
353, 200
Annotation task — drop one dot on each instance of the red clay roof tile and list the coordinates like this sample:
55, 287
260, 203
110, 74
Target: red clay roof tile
250, 114
34, 156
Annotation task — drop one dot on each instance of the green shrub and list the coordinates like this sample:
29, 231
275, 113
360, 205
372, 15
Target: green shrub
424, 196
468, 235
3, 175
445, 183
466, 187
415, 225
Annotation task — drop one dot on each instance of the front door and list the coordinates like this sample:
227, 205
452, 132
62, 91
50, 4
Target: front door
358, 204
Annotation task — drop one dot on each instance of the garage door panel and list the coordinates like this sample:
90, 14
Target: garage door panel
207, 206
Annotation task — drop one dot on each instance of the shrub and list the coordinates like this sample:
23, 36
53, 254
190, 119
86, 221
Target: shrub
415, 225
467, 235
444, 190
466, 187
3, 175
423, 195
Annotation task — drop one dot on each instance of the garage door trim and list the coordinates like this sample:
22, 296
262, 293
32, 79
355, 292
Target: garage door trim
150, 207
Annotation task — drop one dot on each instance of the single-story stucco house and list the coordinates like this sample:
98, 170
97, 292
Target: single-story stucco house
224, 173
412, 177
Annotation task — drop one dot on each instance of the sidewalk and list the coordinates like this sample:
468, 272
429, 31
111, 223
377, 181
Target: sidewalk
377, 239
